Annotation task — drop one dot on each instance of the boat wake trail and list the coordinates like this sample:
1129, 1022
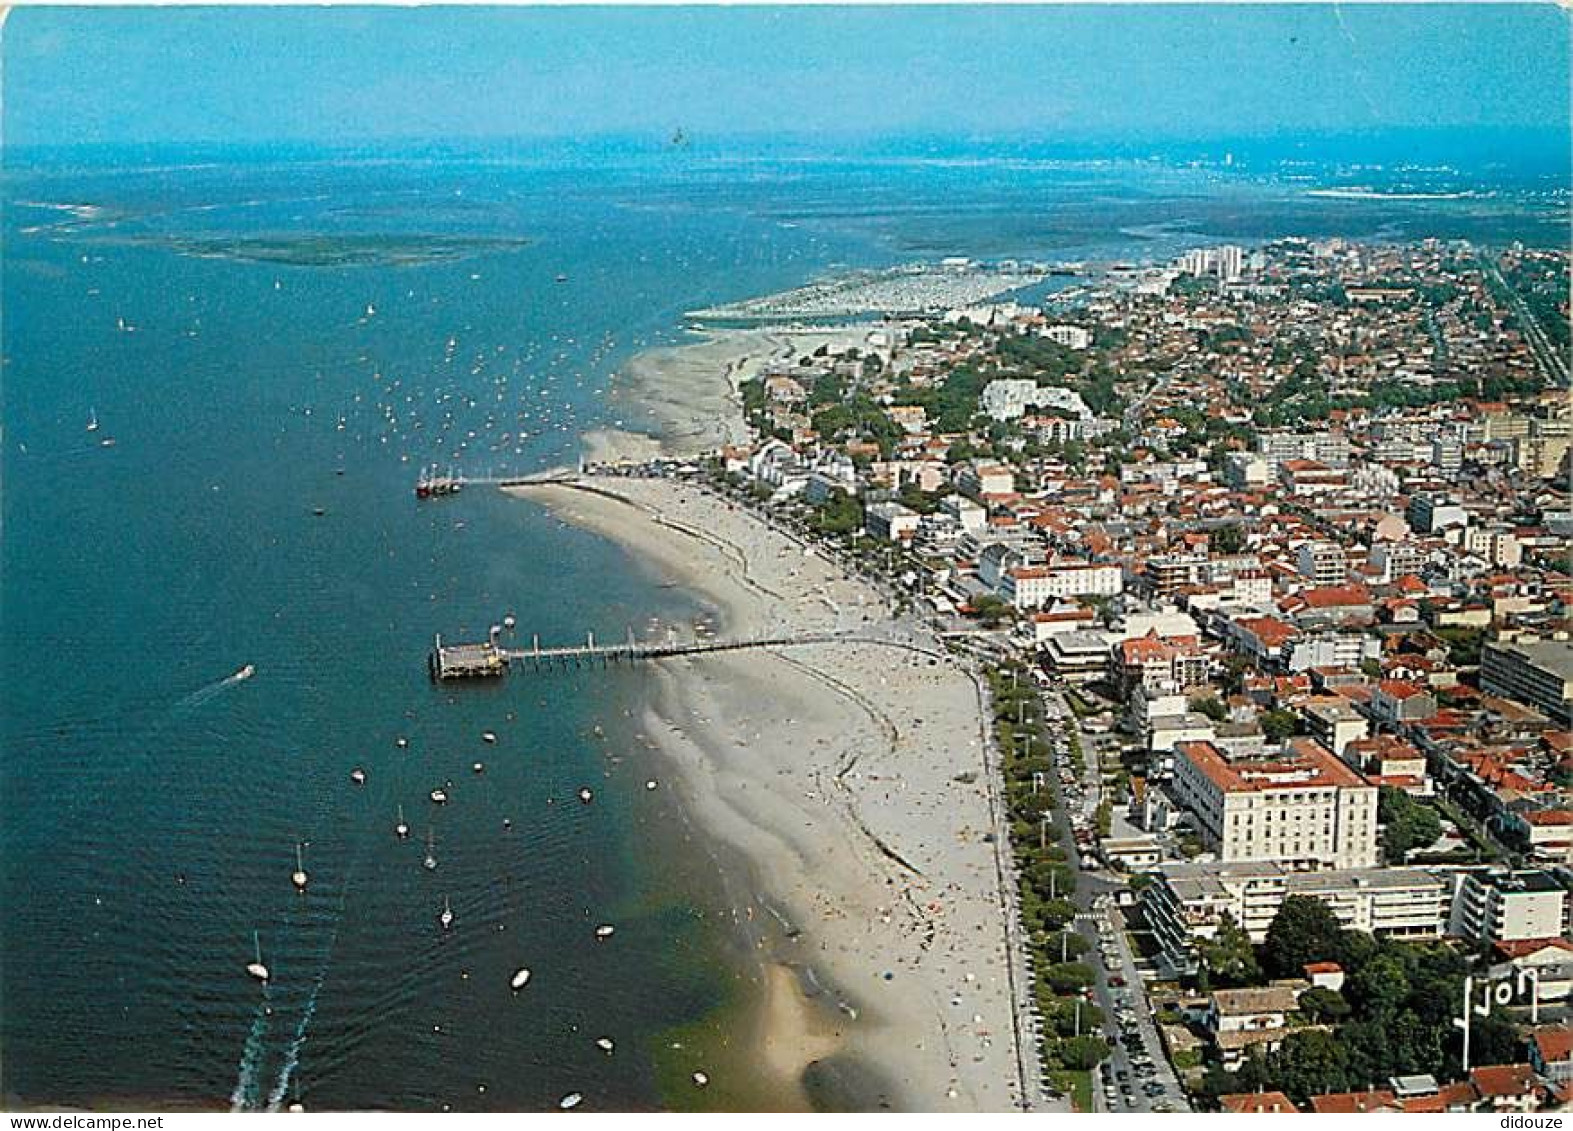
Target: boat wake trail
204, 694
297, 1042
251, 1056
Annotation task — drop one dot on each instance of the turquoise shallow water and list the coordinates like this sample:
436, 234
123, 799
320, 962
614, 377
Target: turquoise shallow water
266, 341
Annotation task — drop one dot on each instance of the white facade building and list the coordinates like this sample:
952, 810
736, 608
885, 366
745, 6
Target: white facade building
1304, 809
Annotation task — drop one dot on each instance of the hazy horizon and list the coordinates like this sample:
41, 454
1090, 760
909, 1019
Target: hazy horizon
1445, 77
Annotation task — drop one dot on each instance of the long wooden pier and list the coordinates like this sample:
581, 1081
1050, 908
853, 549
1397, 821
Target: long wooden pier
490, 659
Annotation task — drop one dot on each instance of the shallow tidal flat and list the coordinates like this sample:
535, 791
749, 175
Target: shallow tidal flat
848, 785
369, 250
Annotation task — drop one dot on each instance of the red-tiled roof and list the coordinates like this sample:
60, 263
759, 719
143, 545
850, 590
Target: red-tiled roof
1269, 630
1256, 1103
1555, 1042
1518, 948
1503, 1079
1310, 765
1336, 596
1350, 1103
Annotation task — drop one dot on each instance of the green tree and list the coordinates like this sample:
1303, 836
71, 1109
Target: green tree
1228, 539
841, 513
1228, 957
1380, 986
1407, 824
1279, 724
1324, 1005
1304, 930
1495, 1040
990, 609
1309, 1062
1211, 706
1069, 977
1084, 1052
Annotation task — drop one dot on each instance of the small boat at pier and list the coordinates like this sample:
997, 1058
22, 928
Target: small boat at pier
432, 483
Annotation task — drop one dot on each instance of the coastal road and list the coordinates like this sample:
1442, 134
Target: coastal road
1098, 920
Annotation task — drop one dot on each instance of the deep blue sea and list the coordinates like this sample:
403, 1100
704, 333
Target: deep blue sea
264, 341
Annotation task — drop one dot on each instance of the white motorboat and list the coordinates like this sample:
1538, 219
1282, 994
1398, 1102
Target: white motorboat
358, 776
520, 979
439, 796
604, 931
446, 917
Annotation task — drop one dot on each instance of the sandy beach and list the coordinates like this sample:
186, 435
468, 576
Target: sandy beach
850, 781
682, 400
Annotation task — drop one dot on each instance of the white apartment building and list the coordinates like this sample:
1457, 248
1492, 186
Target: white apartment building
1397, 559
985, 479
1499, 547
891, 522
1071, 337
1009, 398
1537, 672
1494, 907
1188, 902
1028, 587
1303, 809
1328, 650
1323, 563
1231, 262
1330, 448
1427, 514
969, 515
1334, 722
1243, 470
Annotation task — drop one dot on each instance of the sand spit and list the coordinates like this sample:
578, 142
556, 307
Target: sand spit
682, 400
